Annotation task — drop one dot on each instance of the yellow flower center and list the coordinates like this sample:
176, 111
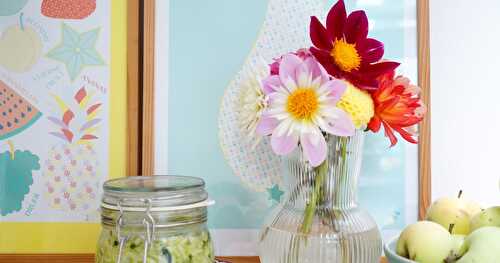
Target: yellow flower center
345, 55
302, 104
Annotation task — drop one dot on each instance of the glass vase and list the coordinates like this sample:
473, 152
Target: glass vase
319, 219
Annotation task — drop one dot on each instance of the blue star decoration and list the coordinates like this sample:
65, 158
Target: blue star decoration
77, 50
275, 193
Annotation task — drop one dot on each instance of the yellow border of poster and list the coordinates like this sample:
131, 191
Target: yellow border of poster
82, 237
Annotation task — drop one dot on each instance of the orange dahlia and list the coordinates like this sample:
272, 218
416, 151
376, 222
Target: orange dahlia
398, 107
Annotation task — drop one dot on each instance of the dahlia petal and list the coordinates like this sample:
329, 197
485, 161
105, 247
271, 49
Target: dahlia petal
314, 135
303, 53
398, 89
319, 121
270, 84
319, 36
314, 152
390, 134
281, 116
326, 61
316, 69
387, 78
290, 85
336, 19
266, 125
333, 88
413, 120
277, 98
371, 50
406, 135
285, 144
316, 83
329, 112
364, 83
371, 76
326, 101
275, 110
294, 127
388, 104
356, 27
340, 125
274, 67
284, 127
321, 55
287, 67
303, 76
302, 126
421, 110
378, 69
374, 124
283, 89
401, 81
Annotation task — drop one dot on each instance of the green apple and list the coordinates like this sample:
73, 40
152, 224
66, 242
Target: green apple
482, 246
453, 211
456, 253
425, 242
472, 207
488, 217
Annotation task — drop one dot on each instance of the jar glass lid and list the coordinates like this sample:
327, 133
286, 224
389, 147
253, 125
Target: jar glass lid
161, 193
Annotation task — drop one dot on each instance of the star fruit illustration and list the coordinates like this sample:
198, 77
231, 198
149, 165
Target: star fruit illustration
77, 50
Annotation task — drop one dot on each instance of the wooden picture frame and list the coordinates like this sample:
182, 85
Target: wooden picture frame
141, 79
140, 113
424, 160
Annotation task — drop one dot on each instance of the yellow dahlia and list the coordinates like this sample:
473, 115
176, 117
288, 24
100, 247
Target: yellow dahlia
358, 104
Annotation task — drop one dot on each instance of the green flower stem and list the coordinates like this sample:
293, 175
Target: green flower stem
343, 168
320, 173
343, 148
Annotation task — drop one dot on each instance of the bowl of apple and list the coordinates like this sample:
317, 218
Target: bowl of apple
391, 255
455, 230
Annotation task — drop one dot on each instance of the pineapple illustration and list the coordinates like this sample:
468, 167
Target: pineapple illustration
71, 172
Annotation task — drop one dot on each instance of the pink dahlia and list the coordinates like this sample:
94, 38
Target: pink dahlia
302, 101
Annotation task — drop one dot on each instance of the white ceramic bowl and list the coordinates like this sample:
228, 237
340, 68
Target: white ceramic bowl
390, 253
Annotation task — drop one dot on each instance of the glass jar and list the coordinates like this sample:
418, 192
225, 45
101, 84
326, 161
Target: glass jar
155, 219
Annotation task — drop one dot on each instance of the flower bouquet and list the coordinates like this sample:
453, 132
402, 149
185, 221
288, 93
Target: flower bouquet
315, 104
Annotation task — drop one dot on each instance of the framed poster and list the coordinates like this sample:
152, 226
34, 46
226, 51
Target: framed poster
201, 49
63, 123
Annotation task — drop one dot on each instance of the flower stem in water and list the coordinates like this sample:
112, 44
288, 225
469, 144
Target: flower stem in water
319, 176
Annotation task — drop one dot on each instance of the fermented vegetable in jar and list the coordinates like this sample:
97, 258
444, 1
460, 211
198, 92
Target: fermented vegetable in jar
160, 219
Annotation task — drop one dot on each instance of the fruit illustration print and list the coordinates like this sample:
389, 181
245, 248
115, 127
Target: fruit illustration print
71, 171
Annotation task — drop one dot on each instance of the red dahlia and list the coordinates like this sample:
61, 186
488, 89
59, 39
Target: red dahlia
344, 49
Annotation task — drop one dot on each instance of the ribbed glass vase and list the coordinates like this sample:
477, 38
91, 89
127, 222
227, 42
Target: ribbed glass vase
319, 220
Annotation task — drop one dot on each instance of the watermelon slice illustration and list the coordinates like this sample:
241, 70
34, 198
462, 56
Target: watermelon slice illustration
16, 113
